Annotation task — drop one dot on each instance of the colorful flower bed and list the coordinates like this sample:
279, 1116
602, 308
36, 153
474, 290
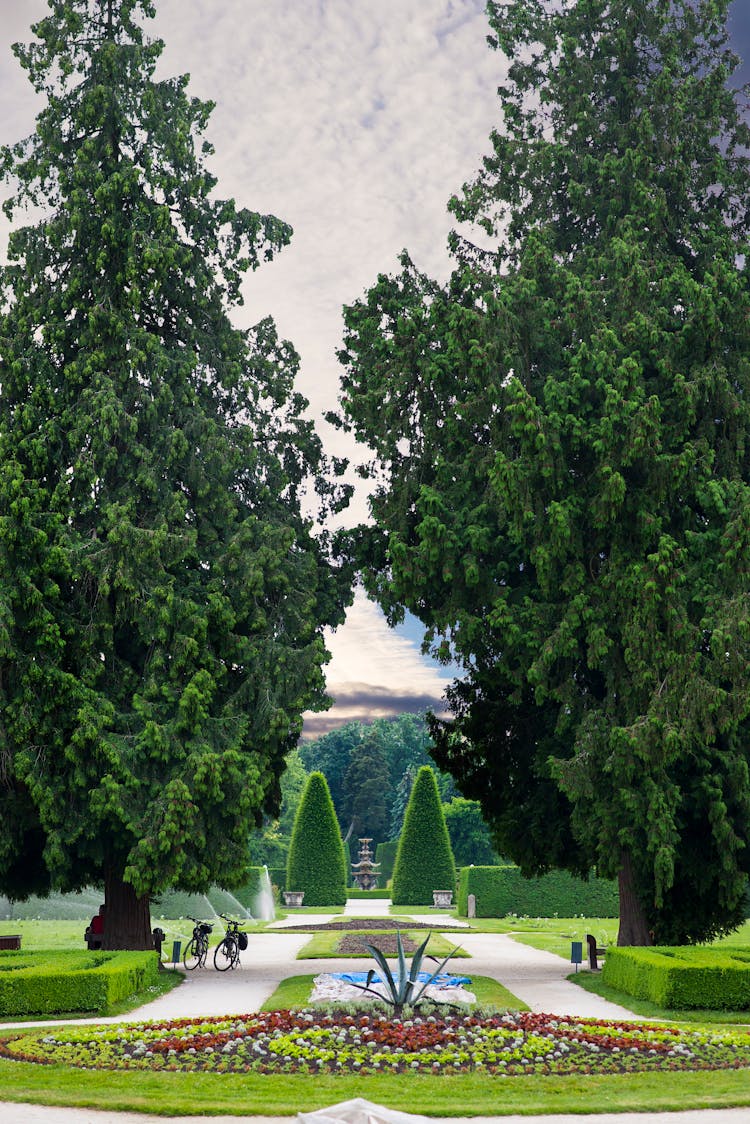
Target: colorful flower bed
313, 1042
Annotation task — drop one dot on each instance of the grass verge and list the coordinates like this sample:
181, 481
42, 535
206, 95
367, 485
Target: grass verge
287, 1094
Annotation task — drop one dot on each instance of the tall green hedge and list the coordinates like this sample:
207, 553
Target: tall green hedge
385, 854
424, 860
500, 890
277, 874
316, 863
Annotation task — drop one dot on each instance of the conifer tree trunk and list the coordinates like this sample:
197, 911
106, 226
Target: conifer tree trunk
633, 923
127, 917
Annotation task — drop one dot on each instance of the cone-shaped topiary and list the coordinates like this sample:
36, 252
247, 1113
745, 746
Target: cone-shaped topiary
424, 861
316, 861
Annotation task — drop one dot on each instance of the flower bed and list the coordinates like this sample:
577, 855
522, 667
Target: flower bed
312, 1042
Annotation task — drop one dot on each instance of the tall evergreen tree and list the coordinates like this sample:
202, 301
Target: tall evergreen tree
424, 860
316, 863
561, 441
161, 595
367, 790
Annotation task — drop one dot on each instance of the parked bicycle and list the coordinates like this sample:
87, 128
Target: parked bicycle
196, 950
227, 951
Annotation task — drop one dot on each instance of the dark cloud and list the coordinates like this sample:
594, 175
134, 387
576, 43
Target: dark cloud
362, 702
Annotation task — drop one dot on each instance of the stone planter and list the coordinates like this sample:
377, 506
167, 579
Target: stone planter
293, 898
442, 899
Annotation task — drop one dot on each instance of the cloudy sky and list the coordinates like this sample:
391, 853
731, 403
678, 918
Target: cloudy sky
353, 120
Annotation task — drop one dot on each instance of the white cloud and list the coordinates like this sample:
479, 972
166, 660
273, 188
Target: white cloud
366, 650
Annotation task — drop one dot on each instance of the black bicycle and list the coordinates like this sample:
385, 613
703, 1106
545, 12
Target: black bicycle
196, 950
227, 951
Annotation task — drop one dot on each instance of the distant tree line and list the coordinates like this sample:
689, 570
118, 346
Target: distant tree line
370, 769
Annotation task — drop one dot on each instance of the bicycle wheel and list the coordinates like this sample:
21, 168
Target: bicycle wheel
192, 957
225, 954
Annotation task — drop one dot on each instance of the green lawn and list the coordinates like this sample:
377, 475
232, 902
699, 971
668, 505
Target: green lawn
55, 935
287, 1094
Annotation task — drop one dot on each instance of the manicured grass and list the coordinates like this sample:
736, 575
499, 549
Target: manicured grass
324, 945
287, 1094
556, 935
56, 935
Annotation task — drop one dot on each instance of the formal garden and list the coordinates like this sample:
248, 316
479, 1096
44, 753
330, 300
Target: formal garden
492, 1053
558, 478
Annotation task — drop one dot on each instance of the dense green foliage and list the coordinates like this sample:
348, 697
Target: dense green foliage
277, 875
269, 844
385, 856
316, 862
500, 890
162, 597
711, 978
365, 791
560, 444
424, 861
47, 983
469, 835
403, 741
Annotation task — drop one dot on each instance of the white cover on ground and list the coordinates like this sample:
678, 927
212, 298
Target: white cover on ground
359, 1111
327, 989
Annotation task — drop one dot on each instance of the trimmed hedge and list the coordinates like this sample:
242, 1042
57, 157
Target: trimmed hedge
357, 893
385, 854
424, 860
277, 874
47, 983
500, 890
680, 978
316, 863
247, 893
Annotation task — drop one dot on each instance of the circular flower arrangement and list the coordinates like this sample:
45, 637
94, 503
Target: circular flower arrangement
313, 1042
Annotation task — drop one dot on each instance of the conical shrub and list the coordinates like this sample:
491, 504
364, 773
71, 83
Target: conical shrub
316, 862
424, 861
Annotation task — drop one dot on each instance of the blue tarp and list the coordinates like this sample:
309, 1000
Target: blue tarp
423, 977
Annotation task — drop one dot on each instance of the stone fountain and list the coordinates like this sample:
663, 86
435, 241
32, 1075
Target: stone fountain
365, 872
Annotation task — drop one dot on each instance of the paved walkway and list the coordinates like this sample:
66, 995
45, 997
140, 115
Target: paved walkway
538, 978
40, 1114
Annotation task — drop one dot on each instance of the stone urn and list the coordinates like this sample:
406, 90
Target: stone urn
442, 899
293, 898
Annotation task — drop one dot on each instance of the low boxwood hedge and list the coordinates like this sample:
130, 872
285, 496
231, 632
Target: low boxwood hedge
679, 978
46, 983
353, 892
500, 890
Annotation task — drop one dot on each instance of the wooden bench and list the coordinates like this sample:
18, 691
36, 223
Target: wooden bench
10, 941
594, 952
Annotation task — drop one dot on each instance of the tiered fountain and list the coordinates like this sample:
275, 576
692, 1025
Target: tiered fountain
365, 872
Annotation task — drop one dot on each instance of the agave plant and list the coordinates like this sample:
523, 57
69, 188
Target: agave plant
406, 989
